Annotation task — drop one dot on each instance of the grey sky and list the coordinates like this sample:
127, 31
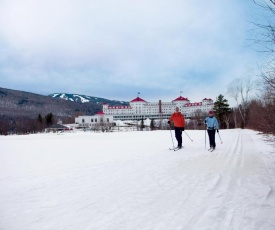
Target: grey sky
114, 49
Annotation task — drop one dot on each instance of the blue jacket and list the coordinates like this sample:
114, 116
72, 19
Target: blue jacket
211, 122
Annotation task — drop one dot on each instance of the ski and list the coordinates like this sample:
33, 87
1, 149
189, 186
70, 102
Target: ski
175, 149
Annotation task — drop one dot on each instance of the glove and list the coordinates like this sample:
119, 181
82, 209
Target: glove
182, 128
169, 122
217, 130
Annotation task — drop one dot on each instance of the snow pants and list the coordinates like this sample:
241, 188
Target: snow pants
178, 132
211, 134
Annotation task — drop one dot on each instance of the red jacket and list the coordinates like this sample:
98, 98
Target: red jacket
178, 119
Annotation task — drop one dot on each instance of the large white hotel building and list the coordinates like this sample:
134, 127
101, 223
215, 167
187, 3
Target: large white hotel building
139, 108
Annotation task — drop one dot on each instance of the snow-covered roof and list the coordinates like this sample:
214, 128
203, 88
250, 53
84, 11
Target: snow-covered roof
58, 126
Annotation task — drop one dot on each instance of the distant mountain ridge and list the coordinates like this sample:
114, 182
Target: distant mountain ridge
85, 99
25, 112
17, 103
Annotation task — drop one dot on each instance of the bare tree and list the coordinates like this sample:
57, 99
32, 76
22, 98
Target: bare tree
227, 121
262, 116
240, 89
260, 113
264, 36
234, 116
267, 79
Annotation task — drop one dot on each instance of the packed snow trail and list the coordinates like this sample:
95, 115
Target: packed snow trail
131, 180
221, 178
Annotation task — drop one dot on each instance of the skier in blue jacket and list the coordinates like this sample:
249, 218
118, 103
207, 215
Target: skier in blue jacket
212, 125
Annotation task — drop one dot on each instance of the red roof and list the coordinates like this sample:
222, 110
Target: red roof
207, 99
100, 113
181, 99
138, 99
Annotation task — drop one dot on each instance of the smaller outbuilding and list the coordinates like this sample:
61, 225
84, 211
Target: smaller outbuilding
57, 128
99, 121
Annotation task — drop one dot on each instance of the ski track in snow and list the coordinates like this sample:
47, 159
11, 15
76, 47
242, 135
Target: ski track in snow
131, 180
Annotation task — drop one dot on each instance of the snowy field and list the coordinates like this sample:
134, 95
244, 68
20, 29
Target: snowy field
132, 181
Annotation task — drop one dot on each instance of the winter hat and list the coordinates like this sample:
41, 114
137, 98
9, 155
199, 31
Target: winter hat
210, 112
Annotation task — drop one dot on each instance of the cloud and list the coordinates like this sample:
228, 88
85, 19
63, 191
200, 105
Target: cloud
154, 45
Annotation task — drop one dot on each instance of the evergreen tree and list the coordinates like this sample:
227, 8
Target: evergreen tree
40, 120
222, 110
49, 119
142, 126
152, 124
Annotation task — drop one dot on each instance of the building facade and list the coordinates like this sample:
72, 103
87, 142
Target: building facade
98, 120
139, 108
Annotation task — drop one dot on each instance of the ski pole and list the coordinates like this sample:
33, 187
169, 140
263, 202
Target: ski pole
220, 137
188, 135
205, 136
172, 136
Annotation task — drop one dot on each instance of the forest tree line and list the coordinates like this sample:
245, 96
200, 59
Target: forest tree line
24, 112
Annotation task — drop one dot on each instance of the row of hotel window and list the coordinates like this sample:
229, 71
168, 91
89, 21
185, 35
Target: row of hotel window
187, 110
134, 117
95, 120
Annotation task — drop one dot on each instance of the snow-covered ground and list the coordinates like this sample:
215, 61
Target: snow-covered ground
132, 181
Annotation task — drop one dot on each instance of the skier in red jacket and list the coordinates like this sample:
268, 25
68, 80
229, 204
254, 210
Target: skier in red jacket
179, 122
